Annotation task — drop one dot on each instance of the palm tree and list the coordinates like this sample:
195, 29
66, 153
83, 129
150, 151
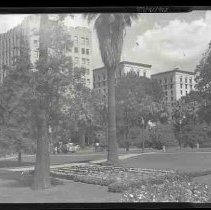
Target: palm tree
110, 30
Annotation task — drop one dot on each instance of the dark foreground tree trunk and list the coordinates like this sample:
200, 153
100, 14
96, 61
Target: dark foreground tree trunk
112, 140
42, 165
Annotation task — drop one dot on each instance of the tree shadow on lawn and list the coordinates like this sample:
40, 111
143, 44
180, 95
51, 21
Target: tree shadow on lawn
16, 180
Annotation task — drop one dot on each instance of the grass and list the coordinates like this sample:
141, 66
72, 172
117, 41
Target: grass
186, 162
15, 190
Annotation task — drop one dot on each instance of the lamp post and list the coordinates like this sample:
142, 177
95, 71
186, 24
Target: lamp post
180, 123
50, 143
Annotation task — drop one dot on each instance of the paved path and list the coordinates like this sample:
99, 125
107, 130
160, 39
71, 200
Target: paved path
121, 157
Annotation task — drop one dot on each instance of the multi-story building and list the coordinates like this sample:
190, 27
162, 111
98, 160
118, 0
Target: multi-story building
10, 43
81, 51
175, 84
100, 76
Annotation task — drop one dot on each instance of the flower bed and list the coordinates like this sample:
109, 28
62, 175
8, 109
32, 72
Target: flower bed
173, 189
116, 178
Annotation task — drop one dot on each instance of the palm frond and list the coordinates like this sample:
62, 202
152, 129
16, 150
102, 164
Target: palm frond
90, 16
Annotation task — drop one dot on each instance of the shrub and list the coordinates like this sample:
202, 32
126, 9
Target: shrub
174, 189
123, 185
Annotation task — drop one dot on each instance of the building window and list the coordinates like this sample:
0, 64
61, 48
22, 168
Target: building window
87, 71
181, 92
75, 39
144, 74
186, 92
76, 60
190, 80
99, 84
160, 81
83, 61
88, 81
75, 50
172, 98
104, 76
180, 85
82, 50
186, 80
99, 77
36, 43
82, 40
104, 83
166, 87
171, 79
36, 54
186, 86
87, 51
87, 41
87, 62
171, 86
171, 92
191, 87
180, 79
165, 80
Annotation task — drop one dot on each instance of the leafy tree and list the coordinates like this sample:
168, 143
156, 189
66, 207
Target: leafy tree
16, 133
137, 102
110, 30
203, 85
52, 88
162, 135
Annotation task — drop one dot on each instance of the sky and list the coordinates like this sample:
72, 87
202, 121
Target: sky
163, 40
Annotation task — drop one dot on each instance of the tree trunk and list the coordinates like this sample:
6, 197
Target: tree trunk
82, 138
112, 140
143, 147
42, 165
19, 158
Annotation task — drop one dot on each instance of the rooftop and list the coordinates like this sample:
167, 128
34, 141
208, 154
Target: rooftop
174, 71
129, 63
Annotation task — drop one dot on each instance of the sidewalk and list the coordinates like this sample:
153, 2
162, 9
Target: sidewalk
121, 157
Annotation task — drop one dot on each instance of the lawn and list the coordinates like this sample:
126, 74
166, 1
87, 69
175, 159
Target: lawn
12, 190
185, 161
55, 159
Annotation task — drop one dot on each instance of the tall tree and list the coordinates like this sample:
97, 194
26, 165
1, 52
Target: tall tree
52, 87
203, 84
110, 30
42, 165
15, 129
138, 102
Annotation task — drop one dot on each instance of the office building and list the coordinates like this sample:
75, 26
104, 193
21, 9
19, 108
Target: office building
100, 75
175, 84
81, 51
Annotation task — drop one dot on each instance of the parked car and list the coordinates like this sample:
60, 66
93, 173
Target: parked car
71, 147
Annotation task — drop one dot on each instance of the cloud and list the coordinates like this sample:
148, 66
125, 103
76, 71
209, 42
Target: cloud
177, 43
76, 20
9, 21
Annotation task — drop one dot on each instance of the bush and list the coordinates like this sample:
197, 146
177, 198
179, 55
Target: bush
174, 189
123, 185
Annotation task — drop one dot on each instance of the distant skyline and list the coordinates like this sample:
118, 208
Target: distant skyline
163, 40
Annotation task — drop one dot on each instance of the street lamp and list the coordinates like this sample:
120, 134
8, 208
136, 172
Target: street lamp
50, 132
180, 123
